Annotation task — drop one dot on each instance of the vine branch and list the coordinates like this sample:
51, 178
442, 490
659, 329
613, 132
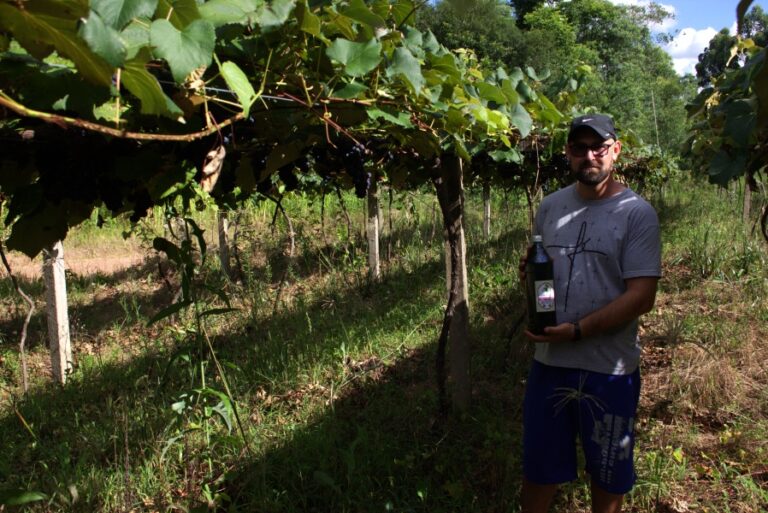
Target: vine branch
291, 238
23, 340
64, 121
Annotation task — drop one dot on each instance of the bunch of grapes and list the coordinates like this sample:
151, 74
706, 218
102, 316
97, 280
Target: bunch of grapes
353, 156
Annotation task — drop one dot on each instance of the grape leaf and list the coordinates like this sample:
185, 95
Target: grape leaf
490, 92
239, 83
511, 155
724, 167
274, 13
509, 91
351, 90
185, 50
406, 65
432, 45
36, 32
359, 11
740, 122
118, 13
224, 12
103, 40
357, 58
445, 64
36, 230
526, 92
403, 11
179, 12
414, 41
401, 119
522, 120
146, 88
135, 37
309, 22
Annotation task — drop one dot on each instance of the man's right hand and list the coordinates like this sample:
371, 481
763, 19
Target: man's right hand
563, 332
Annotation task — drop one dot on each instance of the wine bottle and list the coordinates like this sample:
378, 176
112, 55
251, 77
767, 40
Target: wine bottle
540, 286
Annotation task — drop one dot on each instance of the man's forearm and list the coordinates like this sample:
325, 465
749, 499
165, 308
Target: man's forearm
634, 302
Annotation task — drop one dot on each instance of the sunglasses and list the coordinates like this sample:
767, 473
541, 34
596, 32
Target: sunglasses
581, 149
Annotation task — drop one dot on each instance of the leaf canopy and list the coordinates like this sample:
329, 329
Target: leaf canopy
293, 83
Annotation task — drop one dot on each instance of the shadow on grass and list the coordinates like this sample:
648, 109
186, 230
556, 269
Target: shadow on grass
375, 446
89, 319
320, 252
380, 447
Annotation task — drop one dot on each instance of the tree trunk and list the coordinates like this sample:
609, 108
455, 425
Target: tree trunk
56, 308
372, 227
447, 178
486, 210
224, 258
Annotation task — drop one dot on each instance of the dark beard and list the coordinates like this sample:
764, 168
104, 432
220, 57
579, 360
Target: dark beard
591, 176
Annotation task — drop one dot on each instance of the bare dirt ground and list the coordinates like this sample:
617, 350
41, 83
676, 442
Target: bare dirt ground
82, 261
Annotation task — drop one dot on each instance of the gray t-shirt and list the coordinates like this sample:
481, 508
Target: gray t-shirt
595, 246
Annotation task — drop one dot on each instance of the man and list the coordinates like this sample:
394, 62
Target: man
584, 381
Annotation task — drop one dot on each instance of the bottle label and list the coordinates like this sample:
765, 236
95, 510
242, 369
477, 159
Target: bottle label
545, 295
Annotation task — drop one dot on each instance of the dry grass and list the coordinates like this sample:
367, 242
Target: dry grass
705, 394
716, 353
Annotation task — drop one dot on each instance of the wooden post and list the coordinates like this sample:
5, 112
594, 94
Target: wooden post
486, 210
223, 229
56, 308
372, 227
747, 207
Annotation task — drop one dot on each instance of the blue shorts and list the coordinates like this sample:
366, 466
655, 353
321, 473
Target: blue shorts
562, 405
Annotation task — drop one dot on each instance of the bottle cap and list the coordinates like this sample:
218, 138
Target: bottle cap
537, 238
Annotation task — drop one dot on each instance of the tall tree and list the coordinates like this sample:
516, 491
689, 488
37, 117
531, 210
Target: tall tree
717, 56
551, 45
523, 8
609, 50
485, 26
605, 51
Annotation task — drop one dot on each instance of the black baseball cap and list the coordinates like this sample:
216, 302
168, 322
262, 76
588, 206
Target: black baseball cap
601, 124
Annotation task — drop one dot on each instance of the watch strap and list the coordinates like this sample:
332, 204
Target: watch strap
576, 331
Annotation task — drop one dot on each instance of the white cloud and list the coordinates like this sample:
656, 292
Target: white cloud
687, 43
686, 47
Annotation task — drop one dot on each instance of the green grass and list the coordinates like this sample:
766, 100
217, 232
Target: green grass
335, 383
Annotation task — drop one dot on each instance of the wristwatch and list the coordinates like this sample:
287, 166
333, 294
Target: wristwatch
576, 331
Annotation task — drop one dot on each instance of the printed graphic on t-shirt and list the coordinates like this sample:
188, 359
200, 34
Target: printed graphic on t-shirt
580, 246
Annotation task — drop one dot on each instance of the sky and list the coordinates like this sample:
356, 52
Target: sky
695, 23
